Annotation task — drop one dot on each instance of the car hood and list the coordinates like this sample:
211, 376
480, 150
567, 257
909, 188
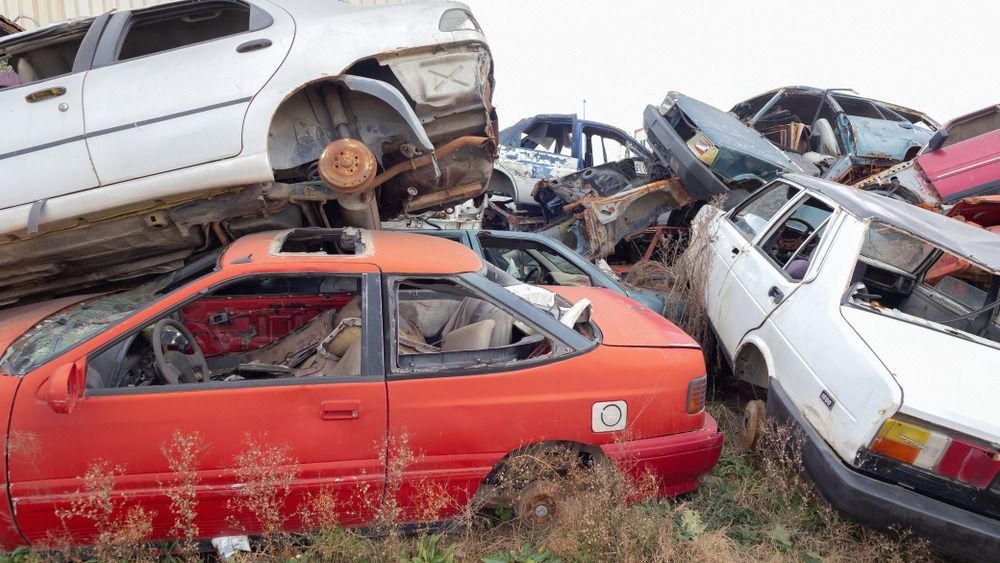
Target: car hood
16, 321
729, 133
946, 380
624, 322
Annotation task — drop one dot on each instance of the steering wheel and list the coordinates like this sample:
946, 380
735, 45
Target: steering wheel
176, 367
532, 275
548, 279
806, 227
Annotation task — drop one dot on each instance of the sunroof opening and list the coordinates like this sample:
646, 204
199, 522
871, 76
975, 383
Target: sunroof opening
324, 241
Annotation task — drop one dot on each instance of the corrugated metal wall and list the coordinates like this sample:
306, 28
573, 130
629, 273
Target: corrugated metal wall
30, 14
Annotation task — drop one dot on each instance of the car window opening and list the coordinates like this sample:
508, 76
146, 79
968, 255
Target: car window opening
789, 123
42, 56
161, 30
530, 263
265, 327
456, 327
900, 275
756, 212
323, 241
793, 243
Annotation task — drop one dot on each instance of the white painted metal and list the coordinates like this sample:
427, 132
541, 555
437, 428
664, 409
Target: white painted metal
59, 169
171, 83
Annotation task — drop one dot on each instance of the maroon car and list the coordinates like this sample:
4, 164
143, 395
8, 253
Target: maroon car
962, 159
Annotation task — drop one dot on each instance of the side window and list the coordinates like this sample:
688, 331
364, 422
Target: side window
40, 57
752, 216
555, 138
161, 29
795, 239
973, 127
532, 263
441, 324
602, 148
858, 107
266, 327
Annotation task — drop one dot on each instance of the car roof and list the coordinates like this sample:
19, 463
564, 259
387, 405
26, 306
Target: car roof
391, 251
976, 244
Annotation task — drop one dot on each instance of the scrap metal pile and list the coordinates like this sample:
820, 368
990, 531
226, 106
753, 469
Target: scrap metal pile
608, 196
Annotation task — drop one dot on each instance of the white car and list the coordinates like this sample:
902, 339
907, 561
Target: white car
135, 139
871, 325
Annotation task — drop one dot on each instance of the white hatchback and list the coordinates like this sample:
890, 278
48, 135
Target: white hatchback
872, 325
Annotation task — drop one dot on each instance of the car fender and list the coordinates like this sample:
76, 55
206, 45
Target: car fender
314, 57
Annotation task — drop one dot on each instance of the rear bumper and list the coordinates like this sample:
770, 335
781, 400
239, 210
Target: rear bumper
676, 460
880, 504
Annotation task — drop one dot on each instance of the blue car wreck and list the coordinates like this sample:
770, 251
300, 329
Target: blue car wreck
834, 134
857, 136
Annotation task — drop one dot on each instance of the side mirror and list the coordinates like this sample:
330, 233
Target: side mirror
937, 139
66, 387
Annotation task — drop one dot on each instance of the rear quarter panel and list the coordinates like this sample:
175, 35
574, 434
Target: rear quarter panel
812, 350
463, 425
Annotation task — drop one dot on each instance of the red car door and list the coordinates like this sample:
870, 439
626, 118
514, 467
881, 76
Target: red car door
317, 434
968, 163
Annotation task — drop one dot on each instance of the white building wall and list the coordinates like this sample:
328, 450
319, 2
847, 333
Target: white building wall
30, 14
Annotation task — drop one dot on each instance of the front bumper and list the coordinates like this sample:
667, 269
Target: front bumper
677, 460
698, 179
881, 504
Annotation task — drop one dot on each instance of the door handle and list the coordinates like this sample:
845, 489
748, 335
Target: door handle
905, 125
340, 410
253, 45
736, 251
53, 92
776, 294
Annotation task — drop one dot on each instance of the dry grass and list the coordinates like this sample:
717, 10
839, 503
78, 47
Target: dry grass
753, 506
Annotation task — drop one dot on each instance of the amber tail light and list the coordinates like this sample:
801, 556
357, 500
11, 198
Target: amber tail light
937, 451
696, 395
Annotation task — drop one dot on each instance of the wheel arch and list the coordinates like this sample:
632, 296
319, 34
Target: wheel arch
753, 363
373, 109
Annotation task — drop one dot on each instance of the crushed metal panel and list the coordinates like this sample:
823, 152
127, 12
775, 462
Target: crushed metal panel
600, 223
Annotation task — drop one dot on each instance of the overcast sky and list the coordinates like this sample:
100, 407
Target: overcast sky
940, 57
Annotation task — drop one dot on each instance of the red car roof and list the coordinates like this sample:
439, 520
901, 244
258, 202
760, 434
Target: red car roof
390, 251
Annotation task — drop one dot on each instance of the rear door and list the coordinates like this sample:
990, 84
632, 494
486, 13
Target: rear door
880, 133
730, 236
171, 83
42, 150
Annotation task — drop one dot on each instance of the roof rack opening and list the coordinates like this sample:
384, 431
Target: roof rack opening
324, 241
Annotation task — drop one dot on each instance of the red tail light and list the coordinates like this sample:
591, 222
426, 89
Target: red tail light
969, 463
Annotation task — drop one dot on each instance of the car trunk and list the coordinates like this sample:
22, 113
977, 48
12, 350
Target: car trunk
946, 380
624, 322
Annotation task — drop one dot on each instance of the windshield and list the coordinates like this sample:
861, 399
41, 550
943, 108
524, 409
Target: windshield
75, 324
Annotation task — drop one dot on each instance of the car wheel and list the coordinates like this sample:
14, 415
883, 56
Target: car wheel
536, 505
754, 422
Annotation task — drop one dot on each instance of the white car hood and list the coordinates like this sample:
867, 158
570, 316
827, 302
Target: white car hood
946, 380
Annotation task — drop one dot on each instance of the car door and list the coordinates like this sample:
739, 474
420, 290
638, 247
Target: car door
879, 133
307, 435
769, 270
729, 236
171, 83
466, 388
43, 153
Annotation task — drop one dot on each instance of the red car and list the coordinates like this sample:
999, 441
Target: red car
962, 159
332, 343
